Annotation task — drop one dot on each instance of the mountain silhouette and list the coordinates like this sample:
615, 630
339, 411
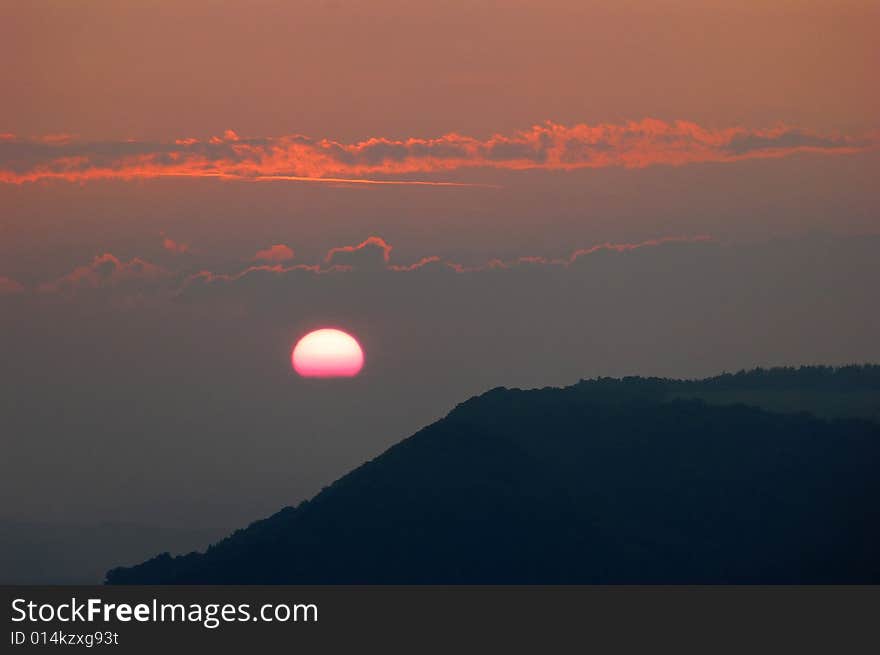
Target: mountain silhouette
607, 481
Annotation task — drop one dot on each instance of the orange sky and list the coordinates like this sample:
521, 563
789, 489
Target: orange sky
355, 69
518, 128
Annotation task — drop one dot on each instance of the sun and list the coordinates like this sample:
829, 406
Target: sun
327, 353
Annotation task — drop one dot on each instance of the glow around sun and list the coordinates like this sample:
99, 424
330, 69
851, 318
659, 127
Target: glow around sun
327, 353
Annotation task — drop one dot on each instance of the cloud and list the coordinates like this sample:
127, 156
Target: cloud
108, 271
372, 254
781, 139
207, 278
422, 263
276, 253
577, 256
173, 246
9, 287
625, 247
547, 146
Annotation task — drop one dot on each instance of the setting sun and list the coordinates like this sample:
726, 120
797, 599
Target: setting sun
327, 353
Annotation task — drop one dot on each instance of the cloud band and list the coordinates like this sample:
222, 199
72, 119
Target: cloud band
549, 146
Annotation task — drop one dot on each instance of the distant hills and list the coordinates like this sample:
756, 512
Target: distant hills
829, 392
760, 477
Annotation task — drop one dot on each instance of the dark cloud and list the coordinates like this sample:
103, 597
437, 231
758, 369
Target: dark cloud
790, 139
109, 272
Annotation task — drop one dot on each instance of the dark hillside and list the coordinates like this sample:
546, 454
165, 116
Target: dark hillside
606, 481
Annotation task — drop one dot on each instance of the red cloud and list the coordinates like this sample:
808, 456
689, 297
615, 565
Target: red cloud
548, 146
373, 253
277, 253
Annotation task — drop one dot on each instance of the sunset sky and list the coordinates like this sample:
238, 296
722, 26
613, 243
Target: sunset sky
484, 193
